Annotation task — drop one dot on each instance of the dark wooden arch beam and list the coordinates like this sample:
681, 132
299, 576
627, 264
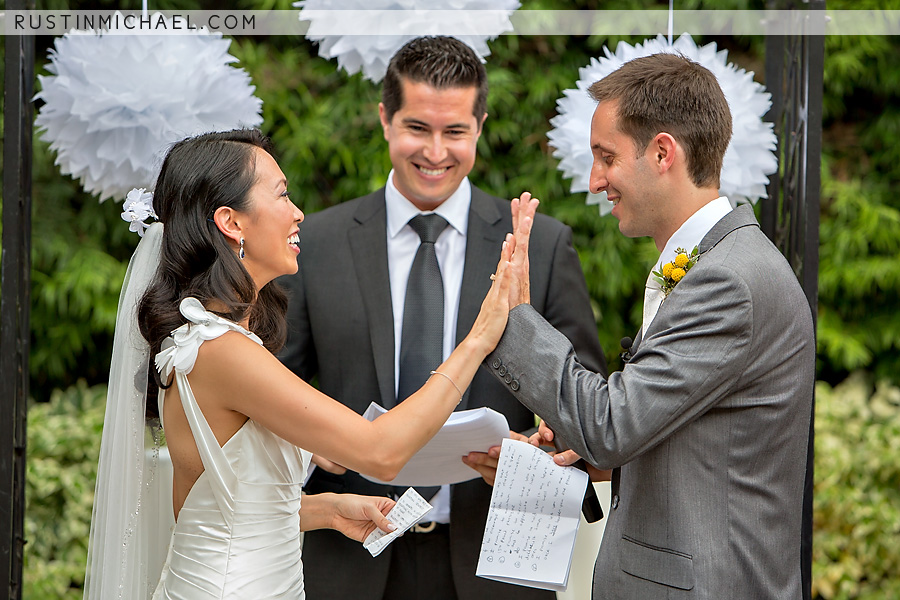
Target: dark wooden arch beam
790, 217
15, 284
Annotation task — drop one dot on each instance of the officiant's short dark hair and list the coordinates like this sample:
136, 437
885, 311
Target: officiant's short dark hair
440, 61
672, 94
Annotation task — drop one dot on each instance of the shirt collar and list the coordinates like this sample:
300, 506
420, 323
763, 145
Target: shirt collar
692, 231
454, 209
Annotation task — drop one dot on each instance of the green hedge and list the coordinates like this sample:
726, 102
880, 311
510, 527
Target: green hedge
856, 548
856, 545
63, 448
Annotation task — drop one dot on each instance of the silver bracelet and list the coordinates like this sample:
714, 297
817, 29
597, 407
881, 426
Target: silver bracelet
451, 383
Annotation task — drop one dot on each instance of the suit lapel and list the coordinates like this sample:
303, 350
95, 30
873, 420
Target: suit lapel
742, 216
368, 244
484, 236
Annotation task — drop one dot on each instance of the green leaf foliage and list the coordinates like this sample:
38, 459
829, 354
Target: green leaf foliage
859, 280
856, 543
80, 250
63, 449
326, 129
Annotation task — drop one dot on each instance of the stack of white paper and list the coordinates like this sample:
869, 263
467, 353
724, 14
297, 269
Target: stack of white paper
440, 461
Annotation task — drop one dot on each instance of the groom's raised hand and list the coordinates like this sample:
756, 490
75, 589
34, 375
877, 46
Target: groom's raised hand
523, 210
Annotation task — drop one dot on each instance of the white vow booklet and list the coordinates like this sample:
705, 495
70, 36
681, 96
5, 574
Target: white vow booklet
440, 461
534, 515
409, 509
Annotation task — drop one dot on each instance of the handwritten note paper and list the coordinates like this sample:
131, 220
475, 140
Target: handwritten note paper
409, 509
535, 511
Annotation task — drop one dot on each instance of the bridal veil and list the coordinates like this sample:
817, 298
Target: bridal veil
132, 515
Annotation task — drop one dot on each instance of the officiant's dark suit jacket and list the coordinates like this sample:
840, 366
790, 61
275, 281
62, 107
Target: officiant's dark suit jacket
341, 334
709, 422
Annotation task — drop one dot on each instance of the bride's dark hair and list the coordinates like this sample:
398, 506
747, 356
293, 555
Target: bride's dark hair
198, 175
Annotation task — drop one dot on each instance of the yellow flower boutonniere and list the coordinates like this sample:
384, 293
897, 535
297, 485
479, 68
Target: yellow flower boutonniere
673, 272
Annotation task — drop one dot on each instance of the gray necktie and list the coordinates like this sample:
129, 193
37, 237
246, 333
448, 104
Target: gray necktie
422, 337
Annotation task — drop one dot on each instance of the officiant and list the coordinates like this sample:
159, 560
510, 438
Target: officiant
407, 268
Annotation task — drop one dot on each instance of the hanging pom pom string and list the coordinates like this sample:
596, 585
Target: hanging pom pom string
671, 24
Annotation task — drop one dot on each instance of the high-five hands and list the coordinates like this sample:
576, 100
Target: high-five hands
491, 320
510, 288
523, 210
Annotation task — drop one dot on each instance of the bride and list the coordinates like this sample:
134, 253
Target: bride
199, 289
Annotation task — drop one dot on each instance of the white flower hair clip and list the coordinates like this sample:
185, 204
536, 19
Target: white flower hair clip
138, 208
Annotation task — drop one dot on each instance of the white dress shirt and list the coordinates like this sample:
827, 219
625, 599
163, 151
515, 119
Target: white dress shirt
402, 244
688, 236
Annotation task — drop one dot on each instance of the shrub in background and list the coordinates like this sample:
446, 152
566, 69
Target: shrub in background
856, 544
63, 448
856, 535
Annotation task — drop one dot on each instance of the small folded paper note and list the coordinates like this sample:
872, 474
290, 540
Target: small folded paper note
409, 509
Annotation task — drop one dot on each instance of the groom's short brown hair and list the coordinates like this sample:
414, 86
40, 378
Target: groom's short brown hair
672, 94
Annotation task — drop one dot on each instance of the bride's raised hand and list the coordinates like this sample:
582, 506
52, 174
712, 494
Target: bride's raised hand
491, 320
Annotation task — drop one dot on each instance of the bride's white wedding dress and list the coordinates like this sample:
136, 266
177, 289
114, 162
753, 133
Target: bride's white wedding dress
238, 533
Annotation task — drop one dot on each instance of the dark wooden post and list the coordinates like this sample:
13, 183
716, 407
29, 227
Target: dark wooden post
15, 283
790, 217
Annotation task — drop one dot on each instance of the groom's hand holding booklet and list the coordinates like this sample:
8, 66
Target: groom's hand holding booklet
590, 506
475, 430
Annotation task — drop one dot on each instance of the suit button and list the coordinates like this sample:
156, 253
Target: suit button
508, 378
514, 386
615, 502
496, 363
502, 370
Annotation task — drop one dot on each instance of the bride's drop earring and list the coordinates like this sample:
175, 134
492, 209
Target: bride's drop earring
241, 252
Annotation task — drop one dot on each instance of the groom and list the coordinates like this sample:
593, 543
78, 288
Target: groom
707, 424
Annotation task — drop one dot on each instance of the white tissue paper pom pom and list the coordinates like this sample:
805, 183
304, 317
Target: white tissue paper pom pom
115, 103
372, 53
750, 156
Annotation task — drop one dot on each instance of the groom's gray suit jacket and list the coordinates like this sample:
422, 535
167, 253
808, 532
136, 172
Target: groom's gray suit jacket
342, 335
708, 421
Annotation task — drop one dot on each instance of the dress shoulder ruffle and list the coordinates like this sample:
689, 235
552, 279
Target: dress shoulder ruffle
179, 351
